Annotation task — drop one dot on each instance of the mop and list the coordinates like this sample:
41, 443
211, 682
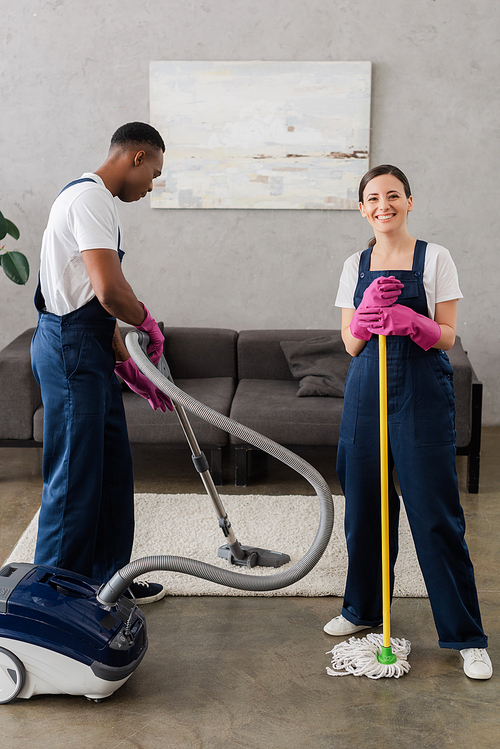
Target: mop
377, 656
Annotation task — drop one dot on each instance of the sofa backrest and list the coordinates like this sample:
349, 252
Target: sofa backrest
194, 353
260, 356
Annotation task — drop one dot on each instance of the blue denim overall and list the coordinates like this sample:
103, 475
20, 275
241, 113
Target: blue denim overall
422, 449
86, 520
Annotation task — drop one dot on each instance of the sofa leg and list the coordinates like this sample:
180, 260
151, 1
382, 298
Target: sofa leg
241, 465
216, 465
473, 474
474, 453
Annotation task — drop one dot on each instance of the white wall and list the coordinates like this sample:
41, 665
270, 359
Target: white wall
72, 72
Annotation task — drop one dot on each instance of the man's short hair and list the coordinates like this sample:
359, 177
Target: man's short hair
139, 134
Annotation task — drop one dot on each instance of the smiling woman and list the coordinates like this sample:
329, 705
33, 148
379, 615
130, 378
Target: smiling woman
407, 291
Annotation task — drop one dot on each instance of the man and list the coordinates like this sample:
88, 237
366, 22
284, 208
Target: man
86, 520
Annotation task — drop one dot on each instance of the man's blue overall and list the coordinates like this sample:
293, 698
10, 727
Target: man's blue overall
422, 448
86, 520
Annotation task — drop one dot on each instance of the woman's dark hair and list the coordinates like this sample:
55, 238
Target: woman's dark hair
377, 171
138, 133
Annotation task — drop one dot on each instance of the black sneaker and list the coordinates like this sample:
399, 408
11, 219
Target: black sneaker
144, 592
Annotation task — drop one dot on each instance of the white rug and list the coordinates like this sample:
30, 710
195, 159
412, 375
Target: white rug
186, 525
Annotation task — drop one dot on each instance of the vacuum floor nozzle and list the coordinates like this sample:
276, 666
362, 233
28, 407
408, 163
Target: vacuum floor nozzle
253, 557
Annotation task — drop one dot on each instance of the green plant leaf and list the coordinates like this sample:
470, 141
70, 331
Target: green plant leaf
16, 267
12, 229
3, 226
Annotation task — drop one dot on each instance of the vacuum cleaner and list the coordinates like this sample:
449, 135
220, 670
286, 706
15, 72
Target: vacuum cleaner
62, 633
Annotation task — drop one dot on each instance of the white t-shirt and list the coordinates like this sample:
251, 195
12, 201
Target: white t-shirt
83, 217
440, 279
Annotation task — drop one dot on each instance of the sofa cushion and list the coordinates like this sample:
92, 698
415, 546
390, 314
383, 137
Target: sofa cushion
320, 364
272, 408
260, 355
194, 353
148, 426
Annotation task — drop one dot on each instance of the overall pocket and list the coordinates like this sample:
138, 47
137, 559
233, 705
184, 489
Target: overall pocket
434, 401
351, 401
409, 291
89, 363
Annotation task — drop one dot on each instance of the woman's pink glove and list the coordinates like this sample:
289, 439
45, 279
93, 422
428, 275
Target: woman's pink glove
382, 292
156, 338
140, 384
401, 320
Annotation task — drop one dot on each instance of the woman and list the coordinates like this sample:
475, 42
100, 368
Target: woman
407, 290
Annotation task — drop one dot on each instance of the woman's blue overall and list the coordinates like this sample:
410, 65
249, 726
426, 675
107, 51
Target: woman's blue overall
86, 520
422, 449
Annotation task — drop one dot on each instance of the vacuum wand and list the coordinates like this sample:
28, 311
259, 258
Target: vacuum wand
233, 551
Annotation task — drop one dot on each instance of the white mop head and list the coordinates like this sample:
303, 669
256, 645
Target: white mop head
359, 657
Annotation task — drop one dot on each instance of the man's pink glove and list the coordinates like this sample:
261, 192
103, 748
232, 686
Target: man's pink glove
140, 384
401, 320
156, 338
382, 292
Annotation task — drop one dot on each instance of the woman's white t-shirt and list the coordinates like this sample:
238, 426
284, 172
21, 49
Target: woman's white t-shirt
83, 217
440, 279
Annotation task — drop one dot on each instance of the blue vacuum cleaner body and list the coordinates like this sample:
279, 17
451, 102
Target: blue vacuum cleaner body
56, 638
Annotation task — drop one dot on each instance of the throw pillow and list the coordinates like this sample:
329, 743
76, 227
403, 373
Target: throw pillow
320, 364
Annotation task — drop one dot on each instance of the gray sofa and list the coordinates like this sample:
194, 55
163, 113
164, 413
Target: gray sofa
246, 375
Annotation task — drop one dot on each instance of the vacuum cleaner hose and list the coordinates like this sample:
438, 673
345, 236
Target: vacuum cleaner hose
111, 591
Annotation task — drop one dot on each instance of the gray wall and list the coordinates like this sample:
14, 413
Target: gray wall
71, 72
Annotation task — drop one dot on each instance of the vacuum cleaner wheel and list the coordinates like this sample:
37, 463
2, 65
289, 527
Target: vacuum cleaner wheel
12, 676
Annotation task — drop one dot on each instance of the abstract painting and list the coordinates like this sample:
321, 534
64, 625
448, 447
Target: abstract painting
261, 135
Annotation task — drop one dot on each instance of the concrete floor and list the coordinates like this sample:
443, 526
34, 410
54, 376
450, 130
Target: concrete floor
250, 672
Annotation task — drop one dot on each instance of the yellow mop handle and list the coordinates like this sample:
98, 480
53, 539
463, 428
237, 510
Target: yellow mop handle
384, 491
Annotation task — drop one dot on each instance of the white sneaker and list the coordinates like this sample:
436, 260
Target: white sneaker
341, 626
477, 663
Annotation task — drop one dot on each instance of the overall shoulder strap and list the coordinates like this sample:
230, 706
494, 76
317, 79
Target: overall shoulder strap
77, 182
89, 179
364, 260
419, 255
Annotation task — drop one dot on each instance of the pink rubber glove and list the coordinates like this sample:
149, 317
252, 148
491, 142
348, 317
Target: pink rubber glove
382, 292
156, 338
401, 320
140, 384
